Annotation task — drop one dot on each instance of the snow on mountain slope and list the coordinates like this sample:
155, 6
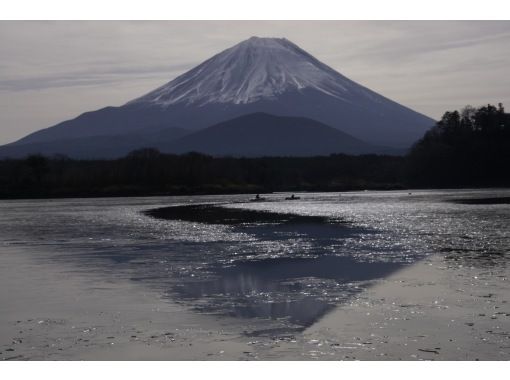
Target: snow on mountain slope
255, 69
268, 75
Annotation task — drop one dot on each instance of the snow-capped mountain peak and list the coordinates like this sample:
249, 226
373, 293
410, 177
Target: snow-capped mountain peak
254, 69
268, 75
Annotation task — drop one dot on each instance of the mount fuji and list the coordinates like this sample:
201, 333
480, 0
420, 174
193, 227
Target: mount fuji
259, 75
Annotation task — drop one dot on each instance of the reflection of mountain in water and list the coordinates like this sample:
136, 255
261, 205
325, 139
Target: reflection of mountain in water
298, 287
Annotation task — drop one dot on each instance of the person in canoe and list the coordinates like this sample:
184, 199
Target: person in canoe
257, 198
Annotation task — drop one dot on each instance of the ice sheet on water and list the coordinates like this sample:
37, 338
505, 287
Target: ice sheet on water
256, 261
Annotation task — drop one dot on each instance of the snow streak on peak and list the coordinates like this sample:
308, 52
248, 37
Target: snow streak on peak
254, 69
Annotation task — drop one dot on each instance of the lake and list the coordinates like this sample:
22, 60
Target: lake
249, 273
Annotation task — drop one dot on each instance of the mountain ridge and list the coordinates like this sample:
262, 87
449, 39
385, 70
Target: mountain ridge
267, 75
95, 147
263, 134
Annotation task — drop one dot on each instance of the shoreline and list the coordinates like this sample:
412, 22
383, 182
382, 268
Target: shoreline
226, 193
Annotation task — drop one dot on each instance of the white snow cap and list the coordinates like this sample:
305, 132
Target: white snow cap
254, 69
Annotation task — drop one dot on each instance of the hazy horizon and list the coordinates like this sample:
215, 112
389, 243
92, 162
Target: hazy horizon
54, 71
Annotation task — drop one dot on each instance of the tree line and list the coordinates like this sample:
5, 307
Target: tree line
469, 148
466, 148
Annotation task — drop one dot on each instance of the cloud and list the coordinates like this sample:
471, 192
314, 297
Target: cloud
91, 77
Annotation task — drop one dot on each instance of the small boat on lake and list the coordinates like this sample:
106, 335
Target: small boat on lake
258, 198
292, 198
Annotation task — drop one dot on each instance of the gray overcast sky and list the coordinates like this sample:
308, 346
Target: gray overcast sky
53, 71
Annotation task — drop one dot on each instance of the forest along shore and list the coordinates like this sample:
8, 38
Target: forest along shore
466, 149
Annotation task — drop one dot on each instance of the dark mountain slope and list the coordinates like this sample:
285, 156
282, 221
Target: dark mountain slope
262, 134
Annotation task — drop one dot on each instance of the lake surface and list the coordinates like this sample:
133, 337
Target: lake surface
276, 265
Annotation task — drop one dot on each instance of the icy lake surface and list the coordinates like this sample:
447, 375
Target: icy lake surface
256, 260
